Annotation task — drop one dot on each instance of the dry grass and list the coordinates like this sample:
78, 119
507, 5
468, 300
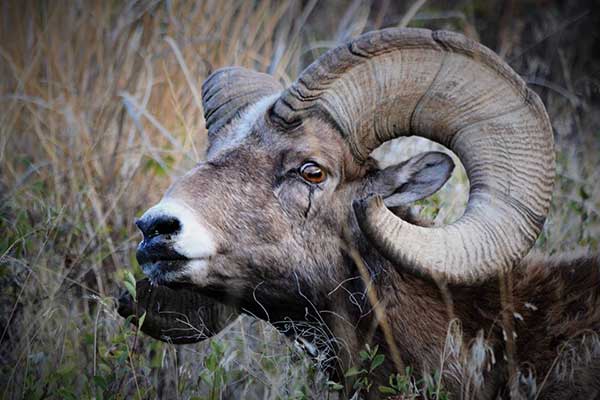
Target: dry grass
100, 109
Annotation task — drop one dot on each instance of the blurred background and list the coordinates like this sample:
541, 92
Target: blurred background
100, 110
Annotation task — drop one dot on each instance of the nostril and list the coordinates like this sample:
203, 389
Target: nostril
159, 225
166, 226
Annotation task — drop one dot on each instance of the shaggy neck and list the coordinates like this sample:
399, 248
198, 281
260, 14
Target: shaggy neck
405, 317
408, 318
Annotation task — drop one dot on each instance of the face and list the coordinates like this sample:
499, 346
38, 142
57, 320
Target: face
264, 221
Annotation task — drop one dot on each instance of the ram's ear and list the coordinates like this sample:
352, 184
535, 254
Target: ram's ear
228, 91
412, 180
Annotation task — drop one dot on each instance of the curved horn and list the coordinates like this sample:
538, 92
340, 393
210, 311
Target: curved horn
228, 91
452, 90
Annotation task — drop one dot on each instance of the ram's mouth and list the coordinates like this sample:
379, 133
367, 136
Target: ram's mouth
160, 272
174, 273
159, 261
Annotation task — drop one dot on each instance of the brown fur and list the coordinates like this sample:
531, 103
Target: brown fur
553, 310
293, 254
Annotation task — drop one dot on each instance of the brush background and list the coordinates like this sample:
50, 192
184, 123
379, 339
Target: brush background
100, 111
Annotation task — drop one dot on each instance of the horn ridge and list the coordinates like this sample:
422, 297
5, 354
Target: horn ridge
453, 90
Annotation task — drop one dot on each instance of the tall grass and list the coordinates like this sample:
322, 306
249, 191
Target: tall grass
100, 110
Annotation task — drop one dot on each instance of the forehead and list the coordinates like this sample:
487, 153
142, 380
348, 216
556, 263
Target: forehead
248, 161
314, 140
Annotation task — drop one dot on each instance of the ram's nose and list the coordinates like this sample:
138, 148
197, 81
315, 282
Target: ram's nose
156, 225
160, 234
172, 232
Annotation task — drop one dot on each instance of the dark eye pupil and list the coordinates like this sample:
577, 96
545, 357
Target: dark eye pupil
313, 172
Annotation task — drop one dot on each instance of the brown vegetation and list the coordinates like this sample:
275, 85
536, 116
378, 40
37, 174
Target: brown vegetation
99, 109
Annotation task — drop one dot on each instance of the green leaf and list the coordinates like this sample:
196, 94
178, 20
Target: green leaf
130, 288
128, 320
65, 370
129, 277
334, 385
121, 356
66, 394
354, 371
141, 320
217, 347
364, 356
211, 362
100, 382
387, 390
377, 361
88, 338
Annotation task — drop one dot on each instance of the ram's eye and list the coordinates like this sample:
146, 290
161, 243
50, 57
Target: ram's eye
312, 173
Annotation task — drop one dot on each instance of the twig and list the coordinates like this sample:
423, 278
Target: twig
410, 13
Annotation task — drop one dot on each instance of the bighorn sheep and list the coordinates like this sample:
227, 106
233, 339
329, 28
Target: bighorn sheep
289, 219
